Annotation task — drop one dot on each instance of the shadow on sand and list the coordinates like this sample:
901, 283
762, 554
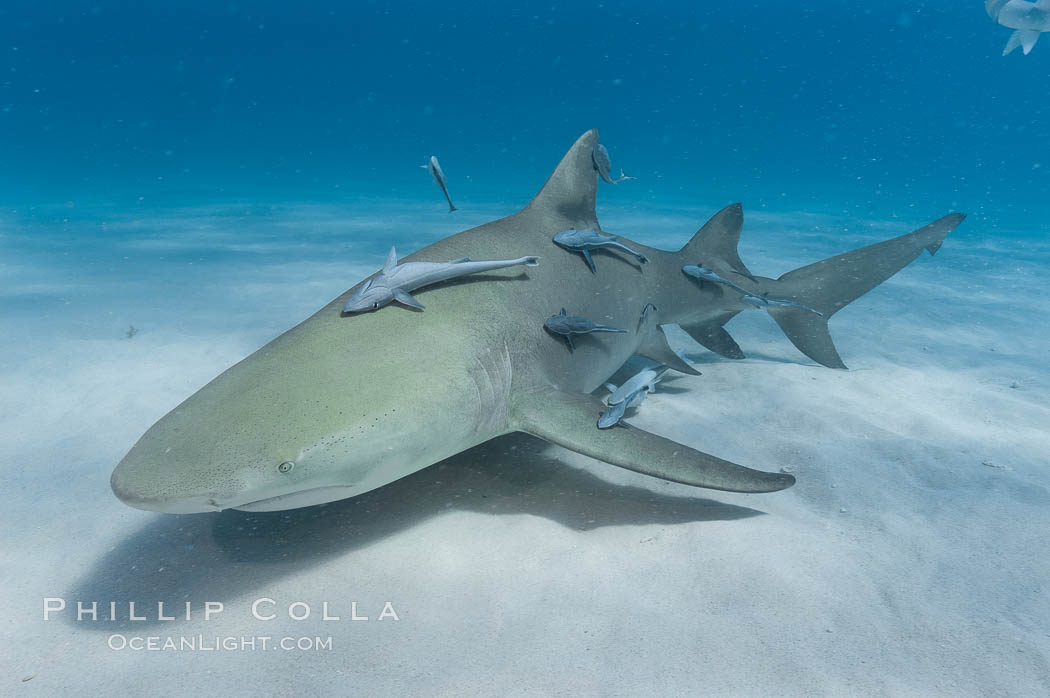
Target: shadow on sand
219, 556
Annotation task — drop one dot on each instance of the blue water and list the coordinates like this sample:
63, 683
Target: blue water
180, 182
892, 108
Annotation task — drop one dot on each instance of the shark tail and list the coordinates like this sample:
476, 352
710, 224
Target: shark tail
823, 288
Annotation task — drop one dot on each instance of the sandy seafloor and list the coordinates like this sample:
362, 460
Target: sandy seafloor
911, 558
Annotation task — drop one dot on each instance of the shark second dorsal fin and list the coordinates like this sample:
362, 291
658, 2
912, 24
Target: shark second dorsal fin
391, 261
572, 188
715, 245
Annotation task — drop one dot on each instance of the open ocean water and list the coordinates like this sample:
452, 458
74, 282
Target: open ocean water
182, 182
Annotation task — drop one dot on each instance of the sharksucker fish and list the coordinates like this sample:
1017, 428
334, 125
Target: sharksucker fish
1030, 19
645, 379
568, 325
616, 411
333, 407
583, 241
395, 282
753, 299
700, 272
644, 316
434, 167
603, 165
763, 301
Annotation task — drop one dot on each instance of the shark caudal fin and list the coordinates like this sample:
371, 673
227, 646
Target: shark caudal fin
822, 289
571, 191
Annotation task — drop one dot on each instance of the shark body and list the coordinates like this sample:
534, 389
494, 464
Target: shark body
337, 405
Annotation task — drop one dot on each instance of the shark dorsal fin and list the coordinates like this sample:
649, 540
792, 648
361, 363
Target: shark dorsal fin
563, 312
716, 242
570, 191
391, 261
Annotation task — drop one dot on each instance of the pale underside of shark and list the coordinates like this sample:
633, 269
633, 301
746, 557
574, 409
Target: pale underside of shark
1029, 19
338, 405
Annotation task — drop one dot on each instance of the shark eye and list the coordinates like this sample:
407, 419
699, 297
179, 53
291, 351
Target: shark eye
285, 467
375, 306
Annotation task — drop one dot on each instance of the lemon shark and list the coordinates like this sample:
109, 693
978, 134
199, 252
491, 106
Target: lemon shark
338, 405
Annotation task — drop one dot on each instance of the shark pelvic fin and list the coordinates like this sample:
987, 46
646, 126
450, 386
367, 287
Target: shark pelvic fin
654, 347
715, 245
829, 285
713, 336
570, 192
568, 420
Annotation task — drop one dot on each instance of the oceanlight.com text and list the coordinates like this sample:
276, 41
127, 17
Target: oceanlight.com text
217, 643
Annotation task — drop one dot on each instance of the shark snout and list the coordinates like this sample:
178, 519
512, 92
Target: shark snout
135, 484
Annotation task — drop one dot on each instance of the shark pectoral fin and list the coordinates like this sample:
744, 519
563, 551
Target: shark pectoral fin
569, 420
655, 347
713, 336
405, 299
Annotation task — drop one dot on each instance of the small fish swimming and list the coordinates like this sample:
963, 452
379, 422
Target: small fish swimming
435, 169
395, 281
587, 239
568, 325
603, 163
762, 301
614, 414
644, 380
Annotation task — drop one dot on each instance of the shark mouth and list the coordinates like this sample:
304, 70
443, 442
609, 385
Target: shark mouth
302, 498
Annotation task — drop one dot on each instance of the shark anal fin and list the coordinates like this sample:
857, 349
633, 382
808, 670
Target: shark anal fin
713, 336
568, 420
